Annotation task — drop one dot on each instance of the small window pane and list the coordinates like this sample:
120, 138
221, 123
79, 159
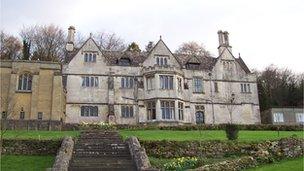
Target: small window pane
94, 57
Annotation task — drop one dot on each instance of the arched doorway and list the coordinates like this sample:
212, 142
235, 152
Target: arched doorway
200, 118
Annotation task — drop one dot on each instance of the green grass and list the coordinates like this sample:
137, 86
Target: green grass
161, 135
43, 135
26, 163
285, 165
206, 135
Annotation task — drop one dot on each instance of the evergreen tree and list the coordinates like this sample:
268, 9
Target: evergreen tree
133, 47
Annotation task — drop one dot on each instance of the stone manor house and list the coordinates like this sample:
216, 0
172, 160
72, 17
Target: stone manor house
135, 87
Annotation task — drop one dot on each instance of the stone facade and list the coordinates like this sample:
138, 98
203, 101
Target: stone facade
166, 87
31, 90
283, 116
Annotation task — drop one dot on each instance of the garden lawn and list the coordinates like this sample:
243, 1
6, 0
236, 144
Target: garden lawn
43, 135
26, 163
161, 135
285, 165
207, 135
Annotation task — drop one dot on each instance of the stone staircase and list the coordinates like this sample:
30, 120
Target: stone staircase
102, 151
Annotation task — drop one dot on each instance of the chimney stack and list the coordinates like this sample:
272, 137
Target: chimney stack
223, 41
71, 38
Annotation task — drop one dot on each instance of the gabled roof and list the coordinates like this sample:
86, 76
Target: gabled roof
243, 65
159, 41
239, 61
206, 62
72, 54
136, 58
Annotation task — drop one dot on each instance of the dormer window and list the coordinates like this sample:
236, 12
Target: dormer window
193, 63
124, 62
90, 57
194, 66
161, 60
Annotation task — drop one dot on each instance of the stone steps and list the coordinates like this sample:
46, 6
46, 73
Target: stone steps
103, 151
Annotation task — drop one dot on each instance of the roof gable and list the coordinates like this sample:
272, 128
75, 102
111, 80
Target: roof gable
161, 49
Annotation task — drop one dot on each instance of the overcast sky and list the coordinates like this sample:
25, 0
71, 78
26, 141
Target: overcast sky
264, 31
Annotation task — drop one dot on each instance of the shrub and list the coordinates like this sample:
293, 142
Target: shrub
232, 131
182, 163
98, 125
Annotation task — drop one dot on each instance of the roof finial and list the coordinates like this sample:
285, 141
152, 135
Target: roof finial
160, 37
91, 34
239, 54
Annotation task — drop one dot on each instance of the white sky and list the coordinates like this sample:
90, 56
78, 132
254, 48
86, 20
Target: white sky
264, 31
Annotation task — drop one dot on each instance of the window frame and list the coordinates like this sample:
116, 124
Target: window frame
161, 60
90, 57
278, 117
198, 85
127, 82
25, 82
39, 115
89, 111
151, 110
297, 117
127, 111
90, 81
180, 110
167, 109
166, 82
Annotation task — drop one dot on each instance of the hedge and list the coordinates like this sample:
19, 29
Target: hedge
213, 127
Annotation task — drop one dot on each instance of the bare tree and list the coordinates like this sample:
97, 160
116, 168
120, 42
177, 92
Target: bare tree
230, 100
110, 41
192, 48
47, 42
4, 116
10, 46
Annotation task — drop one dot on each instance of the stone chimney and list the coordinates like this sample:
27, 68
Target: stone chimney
71, 38
223, 41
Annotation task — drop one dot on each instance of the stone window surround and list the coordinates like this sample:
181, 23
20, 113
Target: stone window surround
24, 85
198, 85
90, 57
151, 108
92, 81
167, 108
127, 82
166, 82
127, 111
161, 60
88, 111
278, 117
245, 88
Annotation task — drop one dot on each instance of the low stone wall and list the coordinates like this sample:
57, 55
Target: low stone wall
213, 148
31, 147
64, 155
138, 154
266, 152
31, 125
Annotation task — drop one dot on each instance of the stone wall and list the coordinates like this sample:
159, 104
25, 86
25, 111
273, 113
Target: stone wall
31, 125
138, 154
64, 155
31, 147
46, 95
171, 149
